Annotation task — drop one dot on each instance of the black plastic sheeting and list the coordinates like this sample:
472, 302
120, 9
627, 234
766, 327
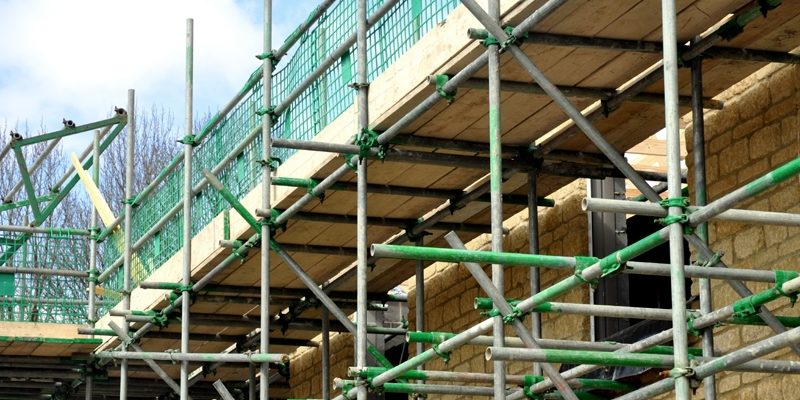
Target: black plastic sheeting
634, 333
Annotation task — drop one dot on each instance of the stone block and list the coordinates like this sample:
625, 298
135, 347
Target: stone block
789, 129
719, 143
723, 185
783, 155
784, 197
775, 234
780, 110
720, 122
728, 383
752, 171
728, 339
749, 377
764, 141
753, 101
750, 125
748, 242
769, 388
782, 84
789, 247
712, 168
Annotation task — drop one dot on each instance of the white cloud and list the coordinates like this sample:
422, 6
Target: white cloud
78, 58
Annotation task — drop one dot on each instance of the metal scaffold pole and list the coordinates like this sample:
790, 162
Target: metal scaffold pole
533, 248
701, 199
188, 144
266, 201
496, 193
419, 304
362, 246
681, 370
325, 349
128, 225
251, 382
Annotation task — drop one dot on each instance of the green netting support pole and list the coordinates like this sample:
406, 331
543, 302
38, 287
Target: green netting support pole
255, 78
296, 34
120, 118
9, 251
26, 181
232, 200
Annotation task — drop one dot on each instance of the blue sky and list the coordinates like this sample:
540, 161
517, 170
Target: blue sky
77, 58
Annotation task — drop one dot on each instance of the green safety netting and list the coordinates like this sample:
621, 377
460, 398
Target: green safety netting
46, 298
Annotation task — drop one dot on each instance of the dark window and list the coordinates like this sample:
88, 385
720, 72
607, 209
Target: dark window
612, 232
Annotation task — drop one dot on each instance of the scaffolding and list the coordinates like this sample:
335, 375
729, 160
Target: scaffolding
55, 274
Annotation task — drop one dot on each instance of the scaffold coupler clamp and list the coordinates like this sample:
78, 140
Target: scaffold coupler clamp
440, 80
581, 263
445, 356
409, 232
515, 315
273, 163
681, 372
171, 352
178, 292
713, 260
94, 233
528, 381
189, 139
366, 140
270, 55
453, 205
358, 85
683, 218
268, 111
782, 277
690, 329
310, 190
132, 201
378, 390
272, 222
